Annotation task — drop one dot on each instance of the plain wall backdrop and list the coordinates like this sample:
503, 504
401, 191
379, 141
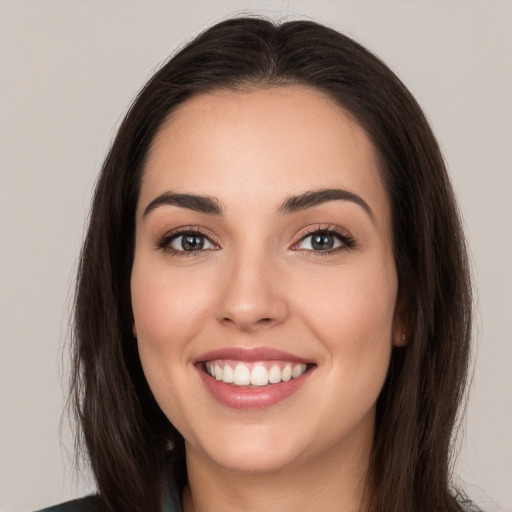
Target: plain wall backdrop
68, 71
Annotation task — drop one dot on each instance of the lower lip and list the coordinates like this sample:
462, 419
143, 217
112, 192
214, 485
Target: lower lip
251, 397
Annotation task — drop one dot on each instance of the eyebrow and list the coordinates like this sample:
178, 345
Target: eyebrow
317, 197
293, 204
203, 204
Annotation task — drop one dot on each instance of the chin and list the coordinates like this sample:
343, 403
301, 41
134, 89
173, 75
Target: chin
247, 452
256, 462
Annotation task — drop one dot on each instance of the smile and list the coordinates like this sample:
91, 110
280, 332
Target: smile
252, 378
261, 373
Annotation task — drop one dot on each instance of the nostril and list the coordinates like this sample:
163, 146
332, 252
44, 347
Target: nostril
266, 320
248, 324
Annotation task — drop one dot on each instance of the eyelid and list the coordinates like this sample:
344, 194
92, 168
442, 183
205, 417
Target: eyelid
347, 240
164, 241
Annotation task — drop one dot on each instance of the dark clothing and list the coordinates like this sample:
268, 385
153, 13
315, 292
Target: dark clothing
93, 504
87, 504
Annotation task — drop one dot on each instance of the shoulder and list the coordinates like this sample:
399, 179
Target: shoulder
94, 504
87, 504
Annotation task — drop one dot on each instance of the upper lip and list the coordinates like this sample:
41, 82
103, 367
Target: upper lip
250, 354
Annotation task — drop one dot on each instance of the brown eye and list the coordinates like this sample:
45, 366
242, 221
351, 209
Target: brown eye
190, 242
320, 241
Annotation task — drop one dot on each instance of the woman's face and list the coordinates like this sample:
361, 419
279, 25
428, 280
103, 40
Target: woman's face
264, 253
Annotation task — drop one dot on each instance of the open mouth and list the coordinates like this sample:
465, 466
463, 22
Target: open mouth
254, 374
252, 378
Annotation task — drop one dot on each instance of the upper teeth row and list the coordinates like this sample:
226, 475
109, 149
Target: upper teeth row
241, 375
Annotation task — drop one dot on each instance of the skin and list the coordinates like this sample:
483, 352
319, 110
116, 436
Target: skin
260, 283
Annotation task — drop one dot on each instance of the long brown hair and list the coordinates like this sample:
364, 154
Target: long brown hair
126, 435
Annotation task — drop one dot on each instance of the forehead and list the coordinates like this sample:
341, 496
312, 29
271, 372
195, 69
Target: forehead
262, 144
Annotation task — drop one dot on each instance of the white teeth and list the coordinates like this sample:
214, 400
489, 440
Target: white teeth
287, 372
242, 376
259, 376
298, 370
274, 374
228, 375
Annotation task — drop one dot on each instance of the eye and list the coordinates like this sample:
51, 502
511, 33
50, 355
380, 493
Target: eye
186, 242
190, 242
320, 242
325, 241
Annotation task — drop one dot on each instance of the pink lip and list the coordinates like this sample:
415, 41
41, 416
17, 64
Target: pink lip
249, 355
250, 397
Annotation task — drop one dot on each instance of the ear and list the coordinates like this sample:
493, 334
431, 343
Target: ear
401, 334
400, 340
134, 330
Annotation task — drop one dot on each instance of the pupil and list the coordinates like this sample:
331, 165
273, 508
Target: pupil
192, 242
322, 241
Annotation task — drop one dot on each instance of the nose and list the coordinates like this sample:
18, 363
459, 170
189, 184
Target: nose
253, 296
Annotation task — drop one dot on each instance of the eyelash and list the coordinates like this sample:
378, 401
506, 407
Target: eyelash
347, 241
164, 243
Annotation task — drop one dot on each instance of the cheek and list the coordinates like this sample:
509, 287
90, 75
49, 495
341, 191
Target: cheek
167, 308
352, 313
167, 305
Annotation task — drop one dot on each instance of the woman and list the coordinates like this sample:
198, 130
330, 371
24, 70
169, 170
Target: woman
273, 305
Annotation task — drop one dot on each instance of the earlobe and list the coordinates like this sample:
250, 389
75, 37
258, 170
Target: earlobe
400, 340
400, 325
134, 330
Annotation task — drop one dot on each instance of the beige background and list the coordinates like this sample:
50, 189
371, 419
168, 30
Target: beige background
68, 70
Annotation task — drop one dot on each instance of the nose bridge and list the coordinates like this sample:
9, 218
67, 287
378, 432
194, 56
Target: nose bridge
253, 297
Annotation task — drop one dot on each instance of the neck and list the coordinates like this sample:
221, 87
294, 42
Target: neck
333, 481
